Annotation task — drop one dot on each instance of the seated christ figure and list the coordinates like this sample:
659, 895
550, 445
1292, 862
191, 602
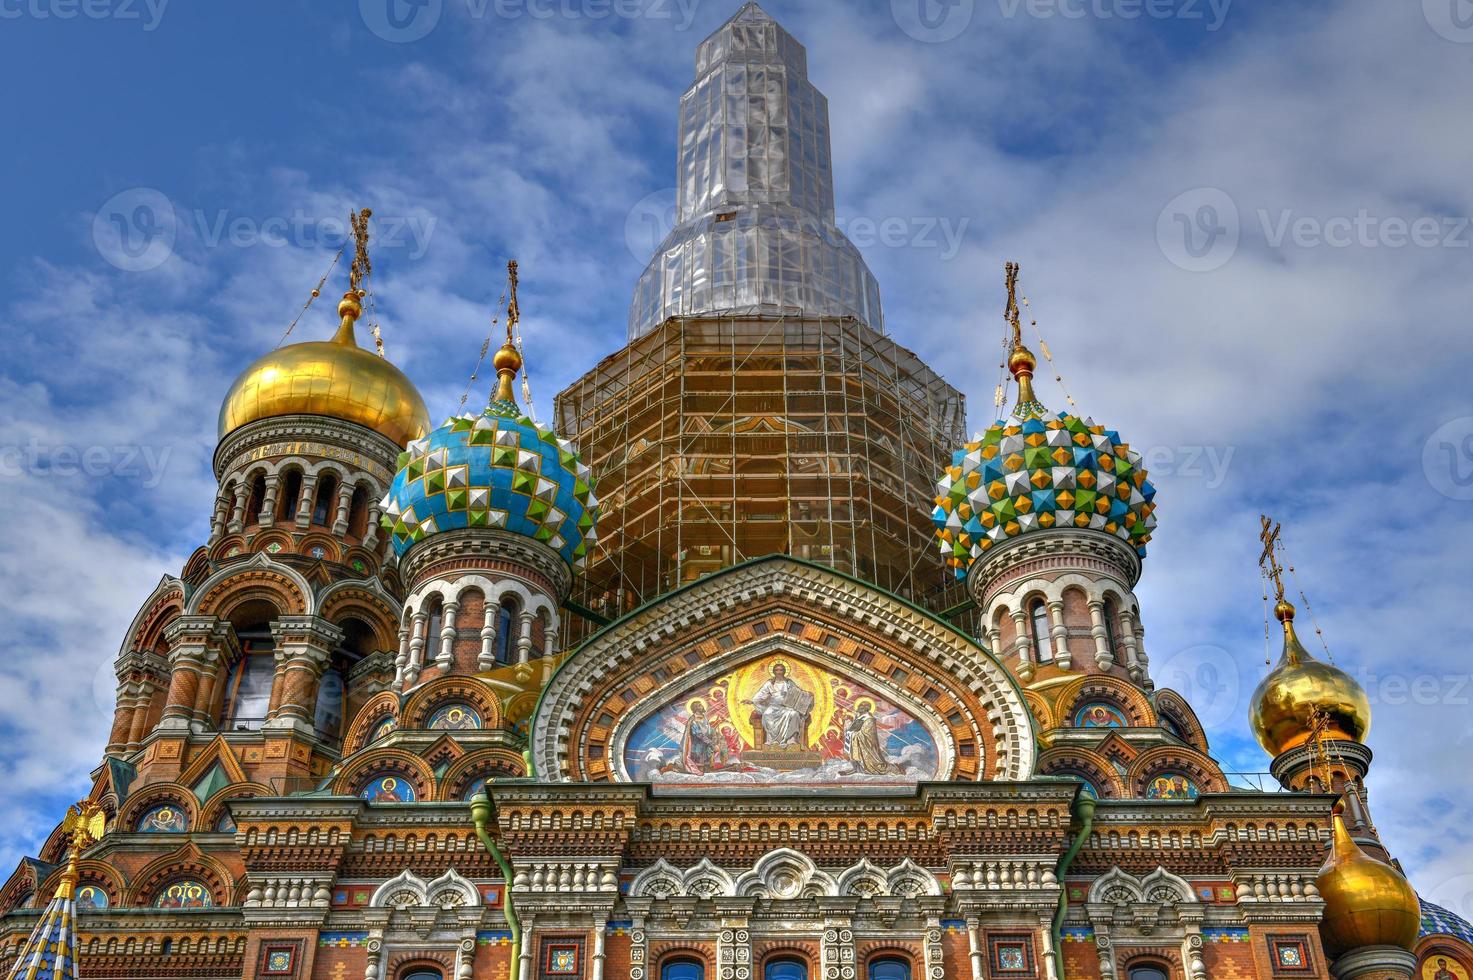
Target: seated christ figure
781, 712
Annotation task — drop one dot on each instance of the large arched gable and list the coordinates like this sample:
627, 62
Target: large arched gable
845, 643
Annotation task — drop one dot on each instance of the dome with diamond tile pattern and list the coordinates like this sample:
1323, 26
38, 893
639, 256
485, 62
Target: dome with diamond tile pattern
496, 470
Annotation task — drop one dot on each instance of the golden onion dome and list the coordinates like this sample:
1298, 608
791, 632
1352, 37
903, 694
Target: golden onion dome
1300, 686
1367, 902
336, 378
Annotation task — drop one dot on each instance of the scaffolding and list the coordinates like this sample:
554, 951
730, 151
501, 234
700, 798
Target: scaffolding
719, 439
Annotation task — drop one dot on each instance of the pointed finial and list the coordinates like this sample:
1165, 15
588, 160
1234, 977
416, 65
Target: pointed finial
1021, 361
83, 826
508, 360
351, 306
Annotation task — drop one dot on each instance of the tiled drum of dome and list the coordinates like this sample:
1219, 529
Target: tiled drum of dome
1039, 472
496, 470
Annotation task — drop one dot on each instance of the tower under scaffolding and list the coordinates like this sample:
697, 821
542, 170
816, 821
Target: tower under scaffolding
719, 439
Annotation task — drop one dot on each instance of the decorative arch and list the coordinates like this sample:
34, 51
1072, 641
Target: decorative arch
1069, 760
259, 578
785, 874
1160, 887
483, 764
1168, 702
163, 606
409, 890
494, 591
1042, 711
395, 762
423, 702
1454, 950
367, 600
1106, 687
1164, 760
783, 607
384, 704
159, 794
187, 863
217, 805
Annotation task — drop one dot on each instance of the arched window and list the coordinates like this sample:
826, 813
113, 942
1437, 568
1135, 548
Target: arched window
1147, 973
683, 969
889, 968
423, 974
288, 496
785, 968
358, 513
248, 686
255, 499
326, 503
506, 625
1043, 644
433, 625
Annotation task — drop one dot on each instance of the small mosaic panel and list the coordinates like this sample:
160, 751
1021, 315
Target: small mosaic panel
1290, 955
388, 789
187, 894
1011, 955
278, 959
90, 897
166, 819
496, 470
1100, 714
455, 717
561, 958
1035, 471
1172, 786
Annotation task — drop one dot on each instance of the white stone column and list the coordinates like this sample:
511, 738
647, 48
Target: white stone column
1126, 631
1059, 632
446, 640
1142, 662
401, 660
524, 637
220, 517
416, 648
268, 500
464, 959
549, 638
1026, 653
1104, 656
974, 947
306, 500
345, 500
487, 658
237, 509
600, 928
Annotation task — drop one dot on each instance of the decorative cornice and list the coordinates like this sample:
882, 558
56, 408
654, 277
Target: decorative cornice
308, 435
463, 547
992, 572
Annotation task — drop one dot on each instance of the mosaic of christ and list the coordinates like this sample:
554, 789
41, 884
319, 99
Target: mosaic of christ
780, 720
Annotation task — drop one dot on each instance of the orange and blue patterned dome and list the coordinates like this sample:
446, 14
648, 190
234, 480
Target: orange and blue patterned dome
499, 469
1039, 470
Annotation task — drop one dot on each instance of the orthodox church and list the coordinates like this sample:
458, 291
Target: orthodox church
750, 667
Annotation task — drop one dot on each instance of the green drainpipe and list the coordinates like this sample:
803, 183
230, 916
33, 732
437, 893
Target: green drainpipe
1084, 819
481, 817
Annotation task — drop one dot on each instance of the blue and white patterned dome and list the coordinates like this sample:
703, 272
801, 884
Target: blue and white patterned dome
499, 469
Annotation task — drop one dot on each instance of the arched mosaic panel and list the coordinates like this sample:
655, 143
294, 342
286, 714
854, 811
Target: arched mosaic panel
166, 819
1171, 786
781, 719
392, 788
187, 894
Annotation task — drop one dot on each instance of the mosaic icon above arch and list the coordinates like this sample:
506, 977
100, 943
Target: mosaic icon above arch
781, 720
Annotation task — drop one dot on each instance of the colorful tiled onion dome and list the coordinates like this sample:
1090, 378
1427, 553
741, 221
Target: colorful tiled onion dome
1038, 470
496, 470
499, 469
1438, 921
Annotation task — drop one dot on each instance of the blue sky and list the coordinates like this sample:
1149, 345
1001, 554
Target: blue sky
1243, 229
